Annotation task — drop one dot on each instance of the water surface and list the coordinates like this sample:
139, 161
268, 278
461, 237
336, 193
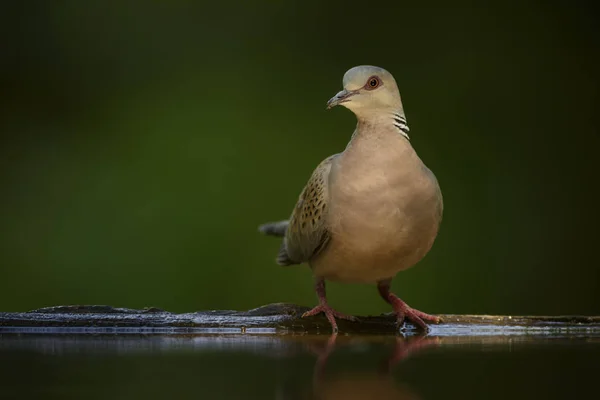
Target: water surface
268, 366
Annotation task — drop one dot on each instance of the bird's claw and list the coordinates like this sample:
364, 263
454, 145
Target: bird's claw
417, 317
331, 315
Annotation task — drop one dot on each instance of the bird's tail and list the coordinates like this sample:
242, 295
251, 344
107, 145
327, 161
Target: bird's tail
274, 228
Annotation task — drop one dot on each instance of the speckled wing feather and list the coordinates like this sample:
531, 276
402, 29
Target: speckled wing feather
306, 233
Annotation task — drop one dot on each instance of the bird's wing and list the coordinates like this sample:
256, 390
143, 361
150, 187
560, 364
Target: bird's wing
306, 233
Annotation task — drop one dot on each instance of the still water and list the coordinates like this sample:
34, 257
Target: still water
249, 366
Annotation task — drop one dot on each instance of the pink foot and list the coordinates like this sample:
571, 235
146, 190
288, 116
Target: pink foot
403, 311
330, 313
323, 307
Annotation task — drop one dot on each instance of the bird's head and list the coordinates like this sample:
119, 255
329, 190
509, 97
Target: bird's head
368, 90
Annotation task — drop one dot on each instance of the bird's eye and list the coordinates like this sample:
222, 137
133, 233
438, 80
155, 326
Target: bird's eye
372, 83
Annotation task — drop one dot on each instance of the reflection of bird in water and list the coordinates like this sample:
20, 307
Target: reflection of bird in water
364, 386
376, 383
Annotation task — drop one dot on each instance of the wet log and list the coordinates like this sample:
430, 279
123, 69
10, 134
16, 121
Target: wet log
275, 318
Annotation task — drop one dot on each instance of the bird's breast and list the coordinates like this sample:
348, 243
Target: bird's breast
384, 215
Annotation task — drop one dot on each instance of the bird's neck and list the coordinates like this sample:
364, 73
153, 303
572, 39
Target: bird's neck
380, 133
386, 120
378, 150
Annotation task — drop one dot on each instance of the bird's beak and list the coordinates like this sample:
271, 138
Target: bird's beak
340, 98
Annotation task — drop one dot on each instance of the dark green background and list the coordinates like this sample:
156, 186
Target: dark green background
143, 142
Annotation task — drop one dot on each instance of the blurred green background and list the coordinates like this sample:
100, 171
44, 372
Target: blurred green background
143, 142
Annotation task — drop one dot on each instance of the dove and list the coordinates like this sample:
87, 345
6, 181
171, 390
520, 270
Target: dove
368, 212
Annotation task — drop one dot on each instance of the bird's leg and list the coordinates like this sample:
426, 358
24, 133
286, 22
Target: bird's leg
325, 308
402, 309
